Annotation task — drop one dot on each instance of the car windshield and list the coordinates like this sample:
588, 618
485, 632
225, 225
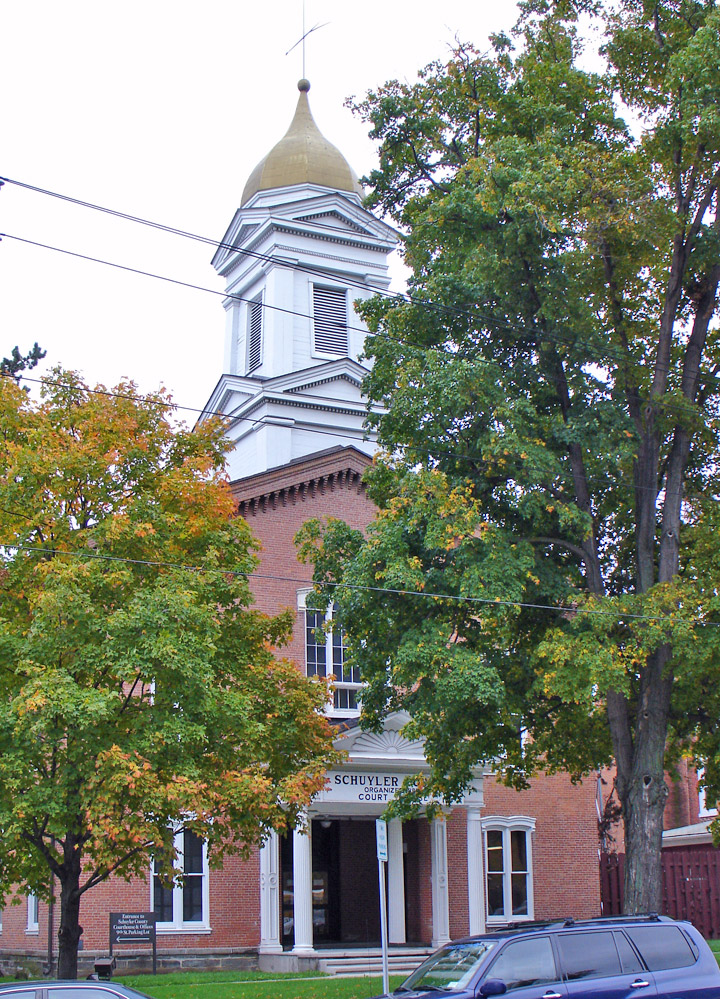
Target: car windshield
450, 968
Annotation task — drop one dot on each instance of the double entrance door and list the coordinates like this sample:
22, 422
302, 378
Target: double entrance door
345, 898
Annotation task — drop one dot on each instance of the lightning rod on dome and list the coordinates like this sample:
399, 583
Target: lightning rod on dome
305, 33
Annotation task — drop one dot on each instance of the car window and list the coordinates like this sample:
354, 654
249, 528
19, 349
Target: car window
81, 992
452, 967
588, 955
19, 994
525, 962
662, 946
629, 960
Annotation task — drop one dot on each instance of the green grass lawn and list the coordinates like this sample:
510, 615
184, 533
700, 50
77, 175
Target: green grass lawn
256, 985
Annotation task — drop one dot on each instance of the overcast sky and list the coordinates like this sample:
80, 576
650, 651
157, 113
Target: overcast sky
161, 109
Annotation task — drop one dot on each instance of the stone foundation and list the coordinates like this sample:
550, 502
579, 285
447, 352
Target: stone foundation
29, 965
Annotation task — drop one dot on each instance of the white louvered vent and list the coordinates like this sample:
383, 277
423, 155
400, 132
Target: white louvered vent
330, 320
255, 335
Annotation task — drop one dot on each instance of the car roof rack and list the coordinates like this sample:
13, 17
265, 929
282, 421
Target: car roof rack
568, 921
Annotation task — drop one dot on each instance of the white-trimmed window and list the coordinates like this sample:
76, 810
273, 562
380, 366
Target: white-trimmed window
508, 867
184, 904
330, 321
704, 812
325, 655
255, 335
33, 914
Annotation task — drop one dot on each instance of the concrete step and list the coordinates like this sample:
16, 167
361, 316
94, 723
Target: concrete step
399, 963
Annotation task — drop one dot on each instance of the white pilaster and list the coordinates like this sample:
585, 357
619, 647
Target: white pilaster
476, 872
302, 890
439, 883
270, 942
396, 883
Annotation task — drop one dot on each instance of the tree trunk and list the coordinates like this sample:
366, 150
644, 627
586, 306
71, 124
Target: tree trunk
643, 810
642, 788
70, 930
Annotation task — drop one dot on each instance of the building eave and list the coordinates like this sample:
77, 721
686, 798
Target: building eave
330, 469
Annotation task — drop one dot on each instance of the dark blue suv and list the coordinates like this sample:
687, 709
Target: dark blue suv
612, 958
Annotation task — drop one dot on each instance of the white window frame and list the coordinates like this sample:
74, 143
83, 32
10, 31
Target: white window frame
177, 924
507, 824
33, 914
319, 351
703, 811
338, 684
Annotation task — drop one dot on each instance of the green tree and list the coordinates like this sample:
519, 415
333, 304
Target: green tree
139, 691
18, 362
548, 404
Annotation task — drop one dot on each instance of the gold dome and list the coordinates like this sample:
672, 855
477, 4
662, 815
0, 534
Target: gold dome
302, 156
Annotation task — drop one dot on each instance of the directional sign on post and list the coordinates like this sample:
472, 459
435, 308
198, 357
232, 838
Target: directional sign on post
382, 854
381, 837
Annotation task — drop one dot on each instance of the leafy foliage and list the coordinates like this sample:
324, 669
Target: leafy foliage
18, 362
547, 402
139, 690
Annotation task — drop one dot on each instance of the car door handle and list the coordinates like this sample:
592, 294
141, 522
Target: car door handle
551, 995
639, 984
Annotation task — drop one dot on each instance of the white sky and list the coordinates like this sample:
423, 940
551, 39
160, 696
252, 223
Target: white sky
160, 109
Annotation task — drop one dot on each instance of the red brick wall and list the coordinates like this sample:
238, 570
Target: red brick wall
683, 804
457, 873
276, 526
234, 914
565, 860
564, 845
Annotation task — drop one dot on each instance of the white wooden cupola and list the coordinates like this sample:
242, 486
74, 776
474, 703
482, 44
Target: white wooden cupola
299, 252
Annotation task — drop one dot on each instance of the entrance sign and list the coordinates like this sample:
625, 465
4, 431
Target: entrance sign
381, 837
361, 785
134, 927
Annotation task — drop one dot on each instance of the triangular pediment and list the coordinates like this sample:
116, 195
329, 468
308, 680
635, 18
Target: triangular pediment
333, 222
317, 380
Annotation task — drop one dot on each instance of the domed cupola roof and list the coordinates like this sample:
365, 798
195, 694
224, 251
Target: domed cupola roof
302, 156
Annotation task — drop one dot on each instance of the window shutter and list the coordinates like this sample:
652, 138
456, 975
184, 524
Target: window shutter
330, 320
255, 336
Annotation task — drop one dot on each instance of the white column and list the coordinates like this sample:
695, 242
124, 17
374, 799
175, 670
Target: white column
302, 890
476, 872
270, 942
439, 883
396, 883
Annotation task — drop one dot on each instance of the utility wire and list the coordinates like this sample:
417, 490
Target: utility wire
568, 339
415, 448
233, 296
487, 601
422, 348
198, 287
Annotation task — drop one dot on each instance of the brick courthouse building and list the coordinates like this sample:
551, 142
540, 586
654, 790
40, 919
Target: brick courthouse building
299, 251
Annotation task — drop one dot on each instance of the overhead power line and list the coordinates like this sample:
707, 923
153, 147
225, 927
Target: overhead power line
195, 287
422, 348
415, 448
567, 339
394, 591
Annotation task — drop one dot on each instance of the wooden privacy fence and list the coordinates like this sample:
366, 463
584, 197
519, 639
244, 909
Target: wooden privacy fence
691, 886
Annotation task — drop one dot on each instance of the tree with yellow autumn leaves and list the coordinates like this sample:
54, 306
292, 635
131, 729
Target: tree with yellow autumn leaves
139, 690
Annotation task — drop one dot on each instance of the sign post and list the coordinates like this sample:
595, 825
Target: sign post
382, 855
134, 927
